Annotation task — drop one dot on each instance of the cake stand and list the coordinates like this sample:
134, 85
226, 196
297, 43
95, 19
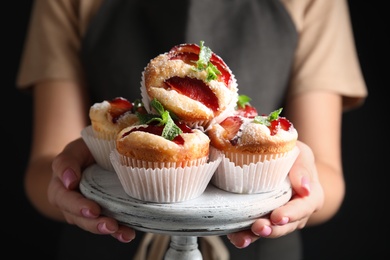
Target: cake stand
215, 212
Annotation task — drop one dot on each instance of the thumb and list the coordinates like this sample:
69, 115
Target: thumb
301, 173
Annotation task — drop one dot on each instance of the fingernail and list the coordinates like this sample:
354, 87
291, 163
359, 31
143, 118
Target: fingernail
102, 227
265, 232
247, 242
283, 221
88, 213
305, 183
122, 239
68, 177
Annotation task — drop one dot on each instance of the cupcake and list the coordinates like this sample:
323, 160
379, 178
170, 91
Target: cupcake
163, 160
107, 119
191, 82
257, 152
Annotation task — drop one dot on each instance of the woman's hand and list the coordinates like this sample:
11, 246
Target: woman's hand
307, 198
63, 192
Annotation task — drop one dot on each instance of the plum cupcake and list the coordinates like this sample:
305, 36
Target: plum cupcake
257, 152
162, 160
108, 118
192, 82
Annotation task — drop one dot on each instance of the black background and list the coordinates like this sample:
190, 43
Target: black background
357, 231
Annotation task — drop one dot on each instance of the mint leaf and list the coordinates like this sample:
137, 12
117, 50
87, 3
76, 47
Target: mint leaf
267, 120
171, 130
262, 120
212, 72
157, 106
145, 118
204, 57
275, 114
243, 100
204, 63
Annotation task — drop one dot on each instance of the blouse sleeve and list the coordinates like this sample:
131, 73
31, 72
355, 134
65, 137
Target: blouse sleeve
53, 40
326, 57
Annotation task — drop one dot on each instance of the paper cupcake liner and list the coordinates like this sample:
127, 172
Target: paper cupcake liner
144, 94
131, 162
165, 185
252, 178
240, 159
100, 148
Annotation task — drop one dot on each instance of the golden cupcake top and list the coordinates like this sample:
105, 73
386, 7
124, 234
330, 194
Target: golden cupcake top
192, 82
110, 116
160, 138
261, 134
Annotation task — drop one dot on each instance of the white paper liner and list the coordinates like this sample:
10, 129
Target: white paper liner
100, 148
165, 185
144, 94
240, 159
254, 177
131, 162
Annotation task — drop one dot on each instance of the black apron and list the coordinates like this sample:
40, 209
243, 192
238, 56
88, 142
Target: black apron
256, 39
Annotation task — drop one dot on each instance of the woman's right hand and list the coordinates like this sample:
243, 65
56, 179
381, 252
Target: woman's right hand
64, 193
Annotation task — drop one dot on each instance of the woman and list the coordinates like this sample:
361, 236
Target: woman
295, 54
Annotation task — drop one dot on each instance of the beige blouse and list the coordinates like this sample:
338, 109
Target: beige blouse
325, 59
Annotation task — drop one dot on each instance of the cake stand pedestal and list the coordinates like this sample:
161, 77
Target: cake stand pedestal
215, 212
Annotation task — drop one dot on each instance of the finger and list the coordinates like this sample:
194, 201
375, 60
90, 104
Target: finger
80, 211
101, 225
124, 234
70, 163
296, 212
242, 239
303, 171
264, 228
85, 213
261, 229
72, 202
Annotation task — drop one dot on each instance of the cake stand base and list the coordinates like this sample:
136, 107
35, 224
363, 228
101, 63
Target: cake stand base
215, 212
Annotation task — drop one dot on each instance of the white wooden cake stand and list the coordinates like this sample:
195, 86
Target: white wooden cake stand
215, 212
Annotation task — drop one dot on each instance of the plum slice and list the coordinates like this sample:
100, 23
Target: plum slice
189, 53
158, 129
195, 89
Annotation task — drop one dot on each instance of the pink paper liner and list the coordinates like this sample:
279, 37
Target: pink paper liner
254, 177
100, 148
165, 185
